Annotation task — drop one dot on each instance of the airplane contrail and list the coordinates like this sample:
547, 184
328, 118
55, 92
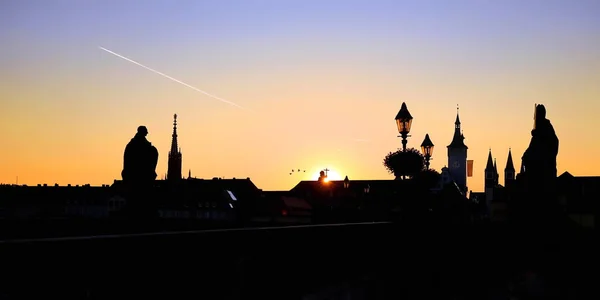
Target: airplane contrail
169, 77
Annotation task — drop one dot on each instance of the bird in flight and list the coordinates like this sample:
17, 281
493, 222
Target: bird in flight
299, 171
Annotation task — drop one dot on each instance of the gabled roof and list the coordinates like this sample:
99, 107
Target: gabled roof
354, 185
567, 175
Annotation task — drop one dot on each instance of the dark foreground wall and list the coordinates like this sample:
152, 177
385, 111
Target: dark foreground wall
382, 260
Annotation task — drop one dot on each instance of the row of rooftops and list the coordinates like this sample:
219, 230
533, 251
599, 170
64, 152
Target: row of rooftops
246, 184
56, 185
245, 188
115, 182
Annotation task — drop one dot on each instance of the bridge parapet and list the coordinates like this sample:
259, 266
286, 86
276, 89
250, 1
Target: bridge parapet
278, 263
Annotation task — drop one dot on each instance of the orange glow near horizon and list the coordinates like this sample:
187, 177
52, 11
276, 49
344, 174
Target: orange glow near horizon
331, 175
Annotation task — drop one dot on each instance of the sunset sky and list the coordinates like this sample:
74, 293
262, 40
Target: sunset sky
321, 82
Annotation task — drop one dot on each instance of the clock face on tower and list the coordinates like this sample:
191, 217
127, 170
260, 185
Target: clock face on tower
456, 165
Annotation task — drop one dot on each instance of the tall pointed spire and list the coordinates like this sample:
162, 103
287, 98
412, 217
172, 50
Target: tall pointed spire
174, 168
174, 146
509, 171
458, 140
509, 162
457, 122
490, 161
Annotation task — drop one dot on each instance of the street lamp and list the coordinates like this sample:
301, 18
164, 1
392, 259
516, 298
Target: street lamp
427, 148
403, 121
346, 182
367, 189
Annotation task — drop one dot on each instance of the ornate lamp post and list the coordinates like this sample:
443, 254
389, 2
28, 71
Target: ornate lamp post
427, 148
403, 121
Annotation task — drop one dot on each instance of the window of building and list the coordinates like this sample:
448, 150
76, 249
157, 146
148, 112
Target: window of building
231, 195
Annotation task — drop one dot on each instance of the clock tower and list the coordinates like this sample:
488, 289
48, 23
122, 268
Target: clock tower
457, 156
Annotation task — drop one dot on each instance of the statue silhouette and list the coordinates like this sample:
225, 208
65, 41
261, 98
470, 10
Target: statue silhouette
140, 159
322, 176
139, 174
539, 204
539, 160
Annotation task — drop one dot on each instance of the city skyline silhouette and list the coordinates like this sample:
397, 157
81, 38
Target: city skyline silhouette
318, 78
299, 149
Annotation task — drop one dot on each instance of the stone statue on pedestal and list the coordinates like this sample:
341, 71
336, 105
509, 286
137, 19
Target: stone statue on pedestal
538, 177
140, 159
139, 173
539, 160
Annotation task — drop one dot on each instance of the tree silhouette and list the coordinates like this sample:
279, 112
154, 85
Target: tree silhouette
404, 163
427, 178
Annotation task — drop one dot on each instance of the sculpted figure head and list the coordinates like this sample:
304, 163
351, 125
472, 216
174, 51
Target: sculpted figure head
142, 131
539, 115
540, 111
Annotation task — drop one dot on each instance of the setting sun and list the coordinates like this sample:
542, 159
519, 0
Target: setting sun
331, 175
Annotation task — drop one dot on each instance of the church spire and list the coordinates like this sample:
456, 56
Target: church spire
174, 168
174, 146
509, 162
458, 140
490, 161
457, 122
509, 171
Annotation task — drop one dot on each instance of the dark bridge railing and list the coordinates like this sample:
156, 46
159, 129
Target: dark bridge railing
284, 262
379, 260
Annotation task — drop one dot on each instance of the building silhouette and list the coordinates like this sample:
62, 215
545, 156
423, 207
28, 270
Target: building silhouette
174, 165
457, 156
579, 195
493, 200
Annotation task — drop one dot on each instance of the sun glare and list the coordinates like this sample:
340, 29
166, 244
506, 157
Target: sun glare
331, 175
